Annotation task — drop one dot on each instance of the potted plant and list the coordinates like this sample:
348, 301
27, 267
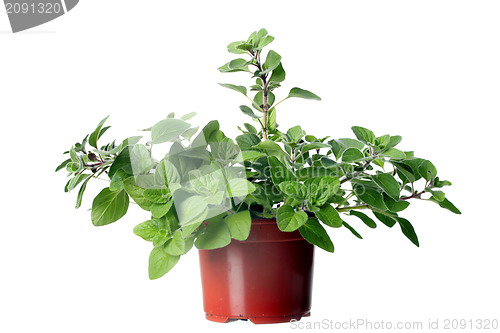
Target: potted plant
255, 207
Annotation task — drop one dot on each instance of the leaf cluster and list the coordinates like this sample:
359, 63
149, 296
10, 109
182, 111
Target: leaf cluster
206, 189
194, 193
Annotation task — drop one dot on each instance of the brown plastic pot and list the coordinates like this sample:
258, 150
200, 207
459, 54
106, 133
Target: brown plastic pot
266, 278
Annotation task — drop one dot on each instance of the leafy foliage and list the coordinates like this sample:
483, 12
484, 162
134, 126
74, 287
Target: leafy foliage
206, 189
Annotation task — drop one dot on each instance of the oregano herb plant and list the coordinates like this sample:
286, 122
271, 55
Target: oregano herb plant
207, 188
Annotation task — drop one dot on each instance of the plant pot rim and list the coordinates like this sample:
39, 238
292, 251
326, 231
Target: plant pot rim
266, 230
263, 220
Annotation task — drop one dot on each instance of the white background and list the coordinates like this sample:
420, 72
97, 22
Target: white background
427, 70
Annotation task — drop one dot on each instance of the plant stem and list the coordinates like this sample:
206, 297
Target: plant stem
264, 132
265, 92
255, 104
275, 105
345, 200
354, 175
415, 195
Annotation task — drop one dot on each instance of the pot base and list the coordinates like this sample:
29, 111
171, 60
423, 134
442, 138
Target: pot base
256, 319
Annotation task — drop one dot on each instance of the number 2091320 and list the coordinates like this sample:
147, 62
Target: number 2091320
33, 8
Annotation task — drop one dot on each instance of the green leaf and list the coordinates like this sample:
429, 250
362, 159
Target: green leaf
240, 187
140, 159
271, 147
414, 164
394, 154
155, 195
348, 142
251, 155
314, 145
301, 93
427, 170
190, 132
328, 163
363, 217
379, 162
259, 99
161, 209
189, 242
147, 230
192, 210
446, 204
410, 154
271, 120
238, 64
386, 219
63, 164
97, 133
187, 230
404, 171
382, 141
339, 146
188, 116
260, 34
136, 193
352, 230
252, 37
278, 74
176, 245
441, 183
310, 138
160, 262
232, 47
408, 230
109, 207
395, 206
393, 141
247, 141
437, 195
364, 134
168, 129
239, 225
160, 239
273, 60
329, 216
250, 128
245, 46
279, 172
295, 134
370, 196
246, 110
294, 190
122, 162
264, 42
321, 188
209, 133
388, 184
352, 155
288, 220
166, 173
79, 197
239, 89
314, 233
116, 183
73, 182
216, 235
